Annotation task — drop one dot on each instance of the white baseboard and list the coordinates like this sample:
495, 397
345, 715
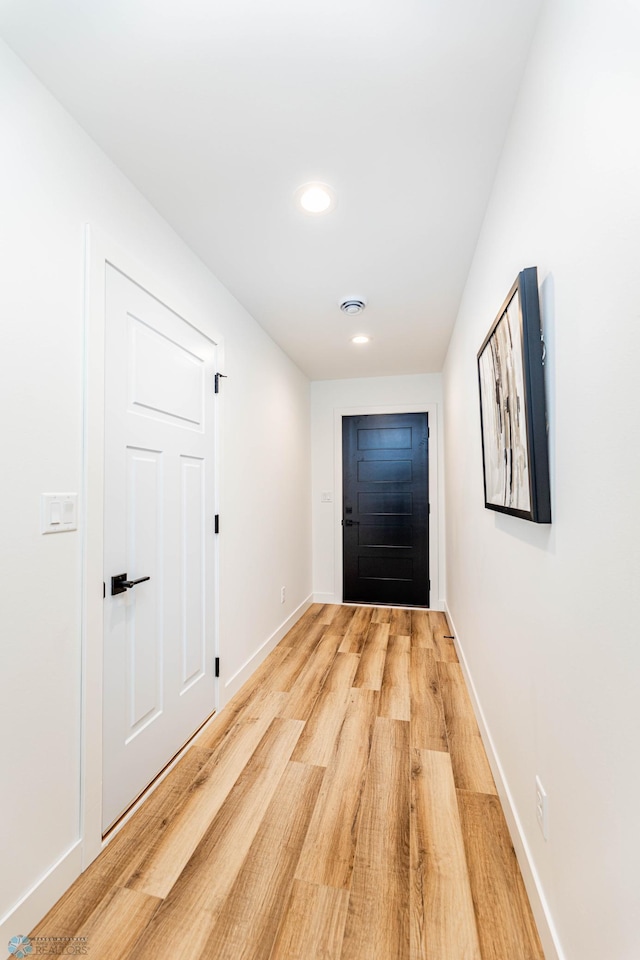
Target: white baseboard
541, 912
240, 677
23, 917
325, 598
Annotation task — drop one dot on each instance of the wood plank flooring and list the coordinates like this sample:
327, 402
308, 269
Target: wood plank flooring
341, 807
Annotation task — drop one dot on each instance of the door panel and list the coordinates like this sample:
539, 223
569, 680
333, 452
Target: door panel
385, 504
386, 509
159, 684
385, 568
164, 378
389, 532
385, 471
144, 618
193, 565
384, 438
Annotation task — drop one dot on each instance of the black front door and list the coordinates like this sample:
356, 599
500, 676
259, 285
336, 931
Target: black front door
386, 509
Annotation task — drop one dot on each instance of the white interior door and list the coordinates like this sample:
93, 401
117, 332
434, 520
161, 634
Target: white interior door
159, 636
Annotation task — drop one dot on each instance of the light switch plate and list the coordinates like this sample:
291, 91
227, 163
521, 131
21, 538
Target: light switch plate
58, 512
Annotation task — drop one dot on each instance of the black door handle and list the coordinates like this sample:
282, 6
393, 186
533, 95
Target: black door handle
120, 584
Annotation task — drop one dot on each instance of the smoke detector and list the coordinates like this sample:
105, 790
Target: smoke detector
352, 307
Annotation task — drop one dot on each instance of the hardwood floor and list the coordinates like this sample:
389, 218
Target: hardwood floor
340, 808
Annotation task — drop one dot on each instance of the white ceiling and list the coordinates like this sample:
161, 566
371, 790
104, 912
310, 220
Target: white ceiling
218, 110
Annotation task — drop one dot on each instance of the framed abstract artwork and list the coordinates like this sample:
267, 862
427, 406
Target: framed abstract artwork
512, 407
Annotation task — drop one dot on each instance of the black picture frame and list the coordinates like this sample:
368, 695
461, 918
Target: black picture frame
513, 416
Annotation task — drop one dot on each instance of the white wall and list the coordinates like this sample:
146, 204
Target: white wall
53, 180
330, 398
548, 616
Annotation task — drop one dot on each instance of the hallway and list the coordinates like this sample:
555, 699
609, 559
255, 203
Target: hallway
340, 807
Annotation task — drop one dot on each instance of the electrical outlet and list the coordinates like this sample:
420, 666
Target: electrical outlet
282, 593
542, 808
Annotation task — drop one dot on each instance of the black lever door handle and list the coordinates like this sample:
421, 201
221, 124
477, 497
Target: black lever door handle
120, 584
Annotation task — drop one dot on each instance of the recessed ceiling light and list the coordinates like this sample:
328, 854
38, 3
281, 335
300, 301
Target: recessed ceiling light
360, 339
316, 197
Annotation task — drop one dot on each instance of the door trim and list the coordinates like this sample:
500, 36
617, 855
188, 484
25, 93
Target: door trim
431, 409
100, 250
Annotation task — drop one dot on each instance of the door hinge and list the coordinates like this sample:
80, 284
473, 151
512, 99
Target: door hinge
216, 523
216, 667
217, 381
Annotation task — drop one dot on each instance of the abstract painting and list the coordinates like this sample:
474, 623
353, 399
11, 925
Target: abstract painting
512, 407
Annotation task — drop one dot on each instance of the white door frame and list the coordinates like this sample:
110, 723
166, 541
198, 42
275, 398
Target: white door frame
431, 409
100, 250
